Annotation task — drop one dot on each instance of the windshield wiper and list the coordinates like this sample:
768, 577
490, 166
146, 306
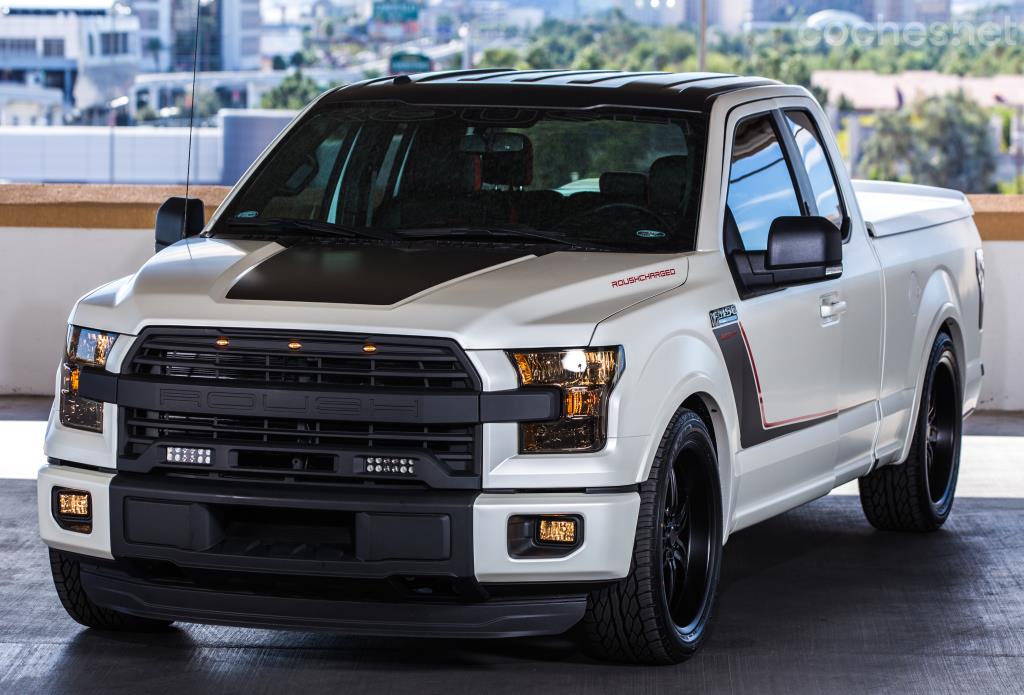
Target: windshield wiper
508, 232
286, 224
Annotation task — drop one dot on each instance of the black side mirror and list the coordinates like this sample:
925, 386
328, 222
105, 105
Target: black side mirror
803, 249
177, 219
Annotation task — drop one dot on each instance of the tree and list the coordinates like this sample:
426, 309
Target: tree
146, 114
499, 58
888, 151
294, 92
943, 141
207, 104
590, 58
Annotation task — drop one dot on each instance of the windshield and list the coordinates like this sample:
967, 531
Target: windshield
607, 178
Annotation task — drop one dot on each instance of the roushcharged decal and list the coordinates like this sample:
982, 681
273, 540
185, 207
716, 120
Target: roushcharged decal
644, 277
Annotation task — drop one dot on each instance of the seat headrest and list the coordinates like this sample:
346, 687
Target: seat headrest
624, 185
509, 168
422, 177
667, 183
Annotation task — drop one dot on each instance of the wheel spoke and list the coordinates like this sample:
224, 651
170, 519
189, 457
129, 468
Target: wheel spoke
680, 555
670, 578
682, 516
672, 497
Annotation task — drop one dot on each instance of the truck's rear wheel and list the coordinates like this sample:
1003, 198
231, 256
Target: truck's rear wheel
918, 494
660, 612
67, 579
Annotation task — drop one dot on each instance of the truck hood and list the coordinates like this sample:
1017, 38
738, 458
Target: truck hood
483, 297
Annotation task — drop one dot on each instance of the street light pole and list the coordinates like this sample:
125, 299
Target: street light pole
702, 43
466, 33
1016, 140
1018, 154
111, 112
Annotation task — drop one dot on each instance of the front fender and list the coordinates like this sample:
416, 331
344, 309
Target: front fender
683, 365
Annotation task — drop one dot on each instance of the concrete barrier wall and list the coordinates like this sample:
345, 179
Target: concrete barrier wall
43, 270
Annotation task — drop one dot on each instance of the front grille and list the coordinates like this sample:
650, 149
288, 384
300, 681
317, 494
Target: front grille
324, 359
258, 447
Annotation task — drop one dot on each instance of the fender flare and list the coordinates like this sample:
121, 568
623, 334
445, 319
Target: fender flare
684, 366
939, 307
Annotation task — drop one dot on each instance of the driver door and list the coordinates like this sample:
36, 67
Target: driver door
783, 356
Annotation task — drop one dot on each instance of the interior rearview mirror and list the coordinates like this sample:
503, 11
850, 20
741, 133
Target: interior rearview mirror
477, 143
811, 247
177, 219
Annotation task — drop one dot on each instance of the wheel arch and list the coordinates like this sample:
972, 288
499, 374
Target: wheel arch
710, 411
938, 312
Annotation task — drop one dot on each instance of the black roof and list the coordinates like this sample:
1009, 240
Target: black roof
692, 91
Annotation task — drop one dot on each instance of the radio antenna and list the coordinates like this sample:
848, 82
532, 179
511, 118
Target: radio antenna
191, 124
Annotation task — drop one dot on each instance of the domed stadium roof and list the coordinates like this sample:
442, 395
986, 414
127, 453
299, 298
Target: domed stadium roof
826, 18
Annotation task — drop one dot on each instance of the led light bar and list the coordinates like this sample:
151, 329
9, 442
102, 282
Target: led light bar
389, 464
189, 455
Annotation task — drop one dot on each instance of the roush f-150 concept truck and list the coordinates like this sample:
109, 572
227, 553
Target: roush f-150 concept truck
495, 353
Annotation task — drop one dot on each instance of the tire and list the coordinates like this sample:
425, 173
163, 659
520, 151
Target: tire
641, 619
66, 571
917, 495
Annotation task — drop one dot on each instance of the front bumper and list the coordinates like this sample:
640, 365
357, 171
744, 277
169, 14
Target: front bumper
545, 615
416, 561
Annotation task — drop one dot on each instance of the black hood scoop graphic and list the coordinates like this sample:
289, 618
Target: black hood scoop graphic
380, 275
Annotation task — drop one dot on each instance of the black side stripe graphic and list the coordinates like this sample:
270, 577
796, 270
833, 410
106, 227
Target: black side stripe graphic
380, 275
755, 428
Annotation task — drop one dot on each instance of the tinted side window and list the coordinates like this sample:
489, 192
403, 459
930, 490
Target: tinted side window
819, 172
761, 186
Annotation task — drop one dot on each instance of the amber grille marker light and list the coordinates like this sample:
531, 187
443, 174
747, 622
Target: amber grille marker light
294, 345
222, 342
557, 531
370, 348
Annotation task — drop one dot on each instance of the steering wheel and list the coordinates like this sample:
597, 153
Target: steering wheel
630, 209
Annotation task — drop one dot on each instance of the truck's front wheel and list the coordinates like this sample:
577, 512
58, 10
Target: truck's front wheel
917, 495
66, 571
660, 612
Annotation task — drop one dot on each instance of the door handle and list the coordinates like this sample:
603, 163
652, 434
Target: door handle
831, 308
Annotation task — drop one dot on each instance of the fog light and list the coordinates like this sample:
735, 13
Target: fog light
557, 530
73, 503
72, 509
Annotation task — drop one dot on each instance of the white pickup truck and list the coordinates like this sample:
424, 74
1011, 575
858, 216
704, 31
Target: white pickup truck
497, 353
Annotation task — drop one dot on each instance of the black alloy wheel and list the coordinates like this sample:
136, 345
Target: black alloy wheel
686, 545
661, 611
917, 495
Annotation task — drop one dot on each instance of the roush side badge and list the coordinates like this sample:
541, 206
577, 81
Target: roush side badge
723, 316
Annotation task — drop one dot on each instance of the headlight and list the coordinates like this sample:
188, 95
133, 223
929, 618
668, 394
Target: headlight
85, 348
585, 376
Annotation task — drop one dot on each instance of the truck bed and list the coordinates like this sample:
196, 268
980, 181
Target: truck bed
894, 208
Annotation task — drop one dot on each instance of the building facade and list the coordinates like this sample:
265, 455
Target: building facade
733, 16
229, 34
86, 49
